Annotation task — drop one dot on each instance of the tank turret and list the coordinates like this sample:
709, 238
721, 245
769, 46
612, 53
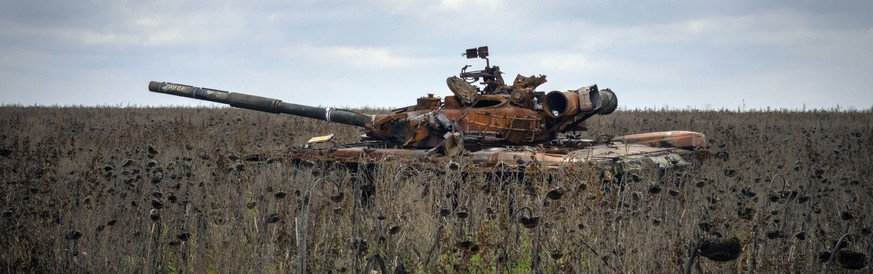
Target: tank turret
491, 115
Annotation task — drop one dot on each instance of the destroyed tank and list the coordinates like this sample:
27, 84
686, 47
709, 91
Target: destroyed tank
490, 125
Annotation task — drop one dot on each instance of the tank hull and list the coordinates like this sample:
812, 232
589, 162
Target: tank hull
623, 153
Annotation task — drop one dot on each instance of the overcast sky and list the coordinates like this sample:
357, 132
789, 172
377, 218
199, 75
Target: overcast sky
703, 54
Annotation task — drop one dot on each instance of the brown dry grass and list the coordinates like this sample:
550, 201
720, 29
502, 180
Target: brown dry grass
164, 190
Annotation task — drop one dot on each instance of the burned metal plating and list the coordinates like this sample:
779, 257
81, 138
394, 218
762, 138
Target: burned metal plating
484, 116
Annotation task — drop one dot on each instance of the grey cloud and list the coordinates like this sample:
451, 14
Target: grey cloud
718, 53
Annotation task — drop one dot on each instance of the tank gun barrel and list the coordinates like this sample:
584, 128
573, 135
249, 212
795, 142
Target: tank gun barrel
265, 104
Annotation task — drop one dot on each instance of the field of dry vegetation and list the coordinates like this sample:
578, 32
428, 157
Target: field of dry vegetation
124, 190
